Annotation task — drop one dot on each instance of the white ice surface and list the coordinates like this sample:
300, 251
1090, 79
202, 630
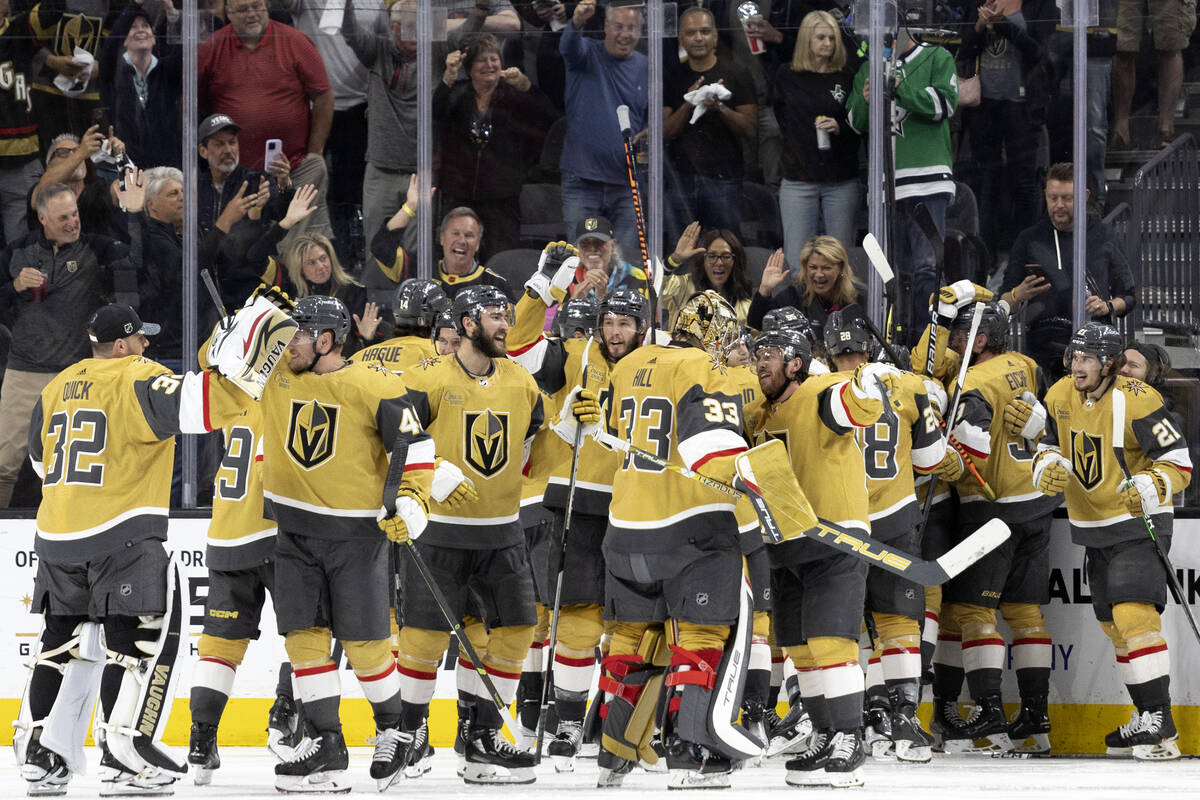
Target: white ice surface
247, 773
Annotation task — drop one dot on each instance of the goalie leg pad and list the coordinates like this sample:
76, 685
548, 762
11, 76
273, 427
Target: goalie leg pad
767, 473
80, 658
148, 652
632, 681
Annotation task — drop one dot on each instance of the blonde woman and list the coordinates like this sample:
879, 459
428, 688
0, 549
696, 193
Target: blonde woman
824, 283
811, 93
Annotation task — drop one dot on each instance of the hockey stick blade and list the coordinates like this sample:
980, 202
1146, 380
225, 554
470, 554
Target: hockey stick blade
877, 258
983, 541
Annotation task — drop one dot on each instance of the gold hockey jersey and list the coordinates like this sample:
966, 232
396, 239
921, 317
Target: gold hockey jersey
900, 442
100, 437
397, 354
1082, 432
327, 443
239, 535
817, 426
558, 367
485, 426
537, 468
1004, 461
679, 404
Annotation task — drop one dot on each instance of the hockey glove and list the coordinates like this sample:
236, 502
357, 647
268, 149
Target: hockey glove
1144, 493
277, 296
450, 486
1024, 416
410, 519
555, 272
958, 294
936, 393
868, 378
951, 467
580, 408
1051, 472
247, 350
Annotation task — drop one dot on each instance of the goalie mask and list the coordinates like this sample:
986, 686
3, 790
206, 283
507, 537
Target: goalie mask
418, 302
578, 315
711, 320
471, 302
318, 313
1097, 339
846, 333
994, 323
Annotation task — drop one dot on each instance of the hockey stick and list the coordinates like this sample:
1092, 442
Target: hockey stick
1118, 445
925, 222
855, 542
976, 316
627, 135
562, 566
391, 484
209, 284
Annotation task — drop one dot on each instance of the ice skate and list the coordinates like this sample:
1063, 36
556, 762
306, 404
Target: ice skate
792, 733
878, 735
910, 742
843, 768
317, 766
284, 728
808, 767
44, 769
202, 752
392, 749
1029, 729
563, 748
491, 759
658, 767
694, 766
612, 770
984, 731
117, 780
754, 719
1155, 738
421, 760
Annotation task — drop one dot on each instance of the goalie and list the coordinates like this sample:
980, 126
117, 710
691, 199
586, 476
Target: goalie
102, 439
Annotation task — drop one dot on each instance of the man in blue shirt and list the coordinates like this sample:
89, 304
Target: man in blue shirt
602, 75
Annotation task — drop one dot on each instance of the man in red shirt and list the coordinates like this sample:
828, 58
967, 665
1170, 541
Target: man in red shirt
271, 79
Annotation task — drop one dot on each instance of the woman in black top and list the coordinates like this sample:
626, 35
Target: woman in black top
489, 130
811, 93
825, 282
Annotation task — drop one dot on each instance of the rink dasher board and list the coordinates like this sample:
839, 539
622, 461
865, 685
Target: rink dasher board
1086, 693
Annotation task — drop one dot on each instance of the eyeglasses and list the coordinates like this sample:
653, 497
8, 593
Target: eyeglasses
724, 258
62, 152
257, 8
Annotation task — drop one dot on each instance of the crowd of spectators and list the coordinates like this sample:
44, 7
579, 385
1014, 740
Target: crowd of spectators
307, 154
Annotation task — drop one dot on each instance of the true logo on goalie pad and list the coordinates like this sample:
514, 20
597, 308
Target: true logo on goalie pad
312, 433
1087, 461
486, 445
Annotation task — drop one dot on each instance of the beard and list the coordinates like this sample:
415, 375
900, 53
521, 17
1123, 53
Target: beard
487, 345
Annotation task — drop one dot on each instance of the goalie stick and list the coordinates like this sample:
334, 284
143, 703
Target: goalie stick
391, 484
857, 543
1118, 445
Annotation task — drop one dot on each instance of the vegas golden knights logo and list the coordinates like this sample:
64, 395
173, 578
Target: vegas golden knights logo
312, 433
1087, 458
486, 445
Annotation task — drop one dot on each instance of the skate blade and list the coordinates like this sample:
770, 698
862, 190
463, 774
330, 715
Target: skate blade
420, 768
1118, 751
563, 763
807, 777
47, 790
1038, 743
331, 782
202, 775
487, 774
883, 750
844, 780
1166, 750
913, 753
693, 779
995, 743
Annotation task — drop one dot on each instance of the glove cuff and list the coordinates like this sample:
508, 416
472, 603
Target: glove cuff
539, 286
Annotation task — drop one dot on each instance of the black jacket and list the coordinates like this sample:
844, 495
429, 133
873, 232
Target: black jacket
51, 335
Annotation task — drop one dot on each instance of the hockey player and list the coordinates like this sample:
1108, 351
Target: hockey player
445, 334
671, 551
483, 411
566, 367
102, 439
1109, 517
818, 594
416, 306
329, 428
999, 420
906, 437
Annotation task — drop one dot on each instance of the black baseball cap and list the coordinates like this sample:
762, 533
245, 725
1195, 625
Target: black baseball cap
216, 122
115, 321
594, 228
